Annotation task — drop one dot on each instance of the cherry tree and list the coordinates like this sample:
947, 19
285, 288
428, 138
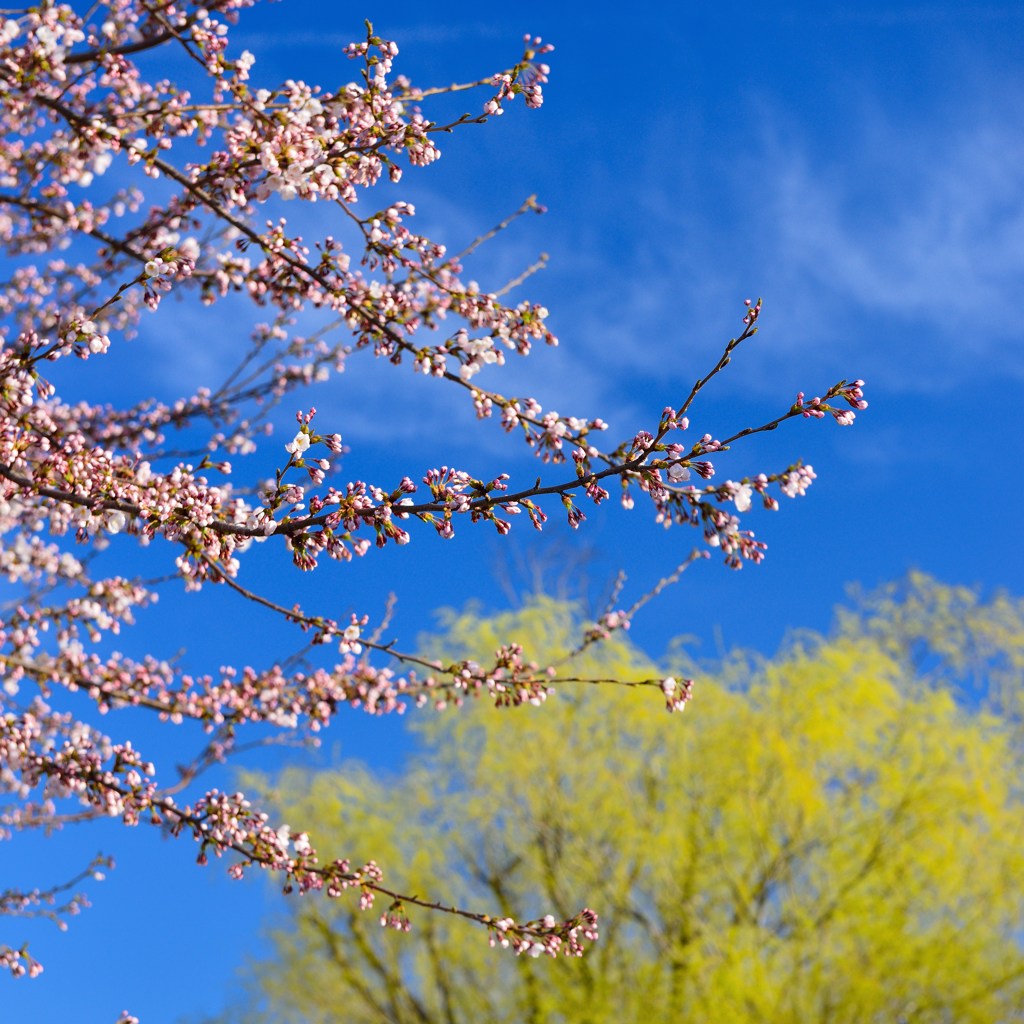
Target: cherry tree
120, 189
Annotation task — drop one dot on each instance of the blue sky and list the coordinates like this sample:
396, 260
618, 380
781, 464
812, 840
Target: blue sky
857, 165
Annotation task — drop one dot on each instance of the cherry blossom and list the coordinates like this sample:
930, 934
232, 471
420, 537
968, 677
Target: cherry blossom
118, 190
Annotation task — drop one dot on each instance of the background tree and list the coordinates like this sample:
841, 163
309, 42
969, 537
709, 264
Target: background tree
121, 189
836, 837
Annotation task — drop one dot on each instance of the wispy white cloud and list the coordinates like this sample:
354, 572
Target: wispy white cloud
941, 247
900, 258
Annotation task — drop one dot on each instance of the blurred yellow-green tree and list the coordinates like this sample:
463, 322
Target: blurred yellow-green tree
835, 834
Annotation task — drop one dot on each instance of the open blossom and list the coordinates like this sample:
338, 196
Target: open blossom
298, 444
741, 495
115, 522
158, 267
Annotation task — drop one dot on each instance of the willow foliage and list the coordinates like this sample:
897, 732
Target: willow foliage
833, 834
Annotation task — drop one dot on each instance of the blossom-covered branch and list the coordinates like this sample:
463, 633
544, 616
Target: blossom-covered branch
118, 191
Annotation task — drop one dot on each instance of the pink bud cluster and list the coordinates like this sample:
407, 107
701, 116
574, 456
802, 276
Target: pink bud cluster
545, 937
526, 78
817, 407
677, 695
19, 962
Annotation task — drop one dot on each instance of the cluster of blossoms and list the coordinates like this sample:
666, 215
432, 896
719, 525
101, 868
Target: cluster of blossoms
545, 936
677, 695
82, 482
852, 394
